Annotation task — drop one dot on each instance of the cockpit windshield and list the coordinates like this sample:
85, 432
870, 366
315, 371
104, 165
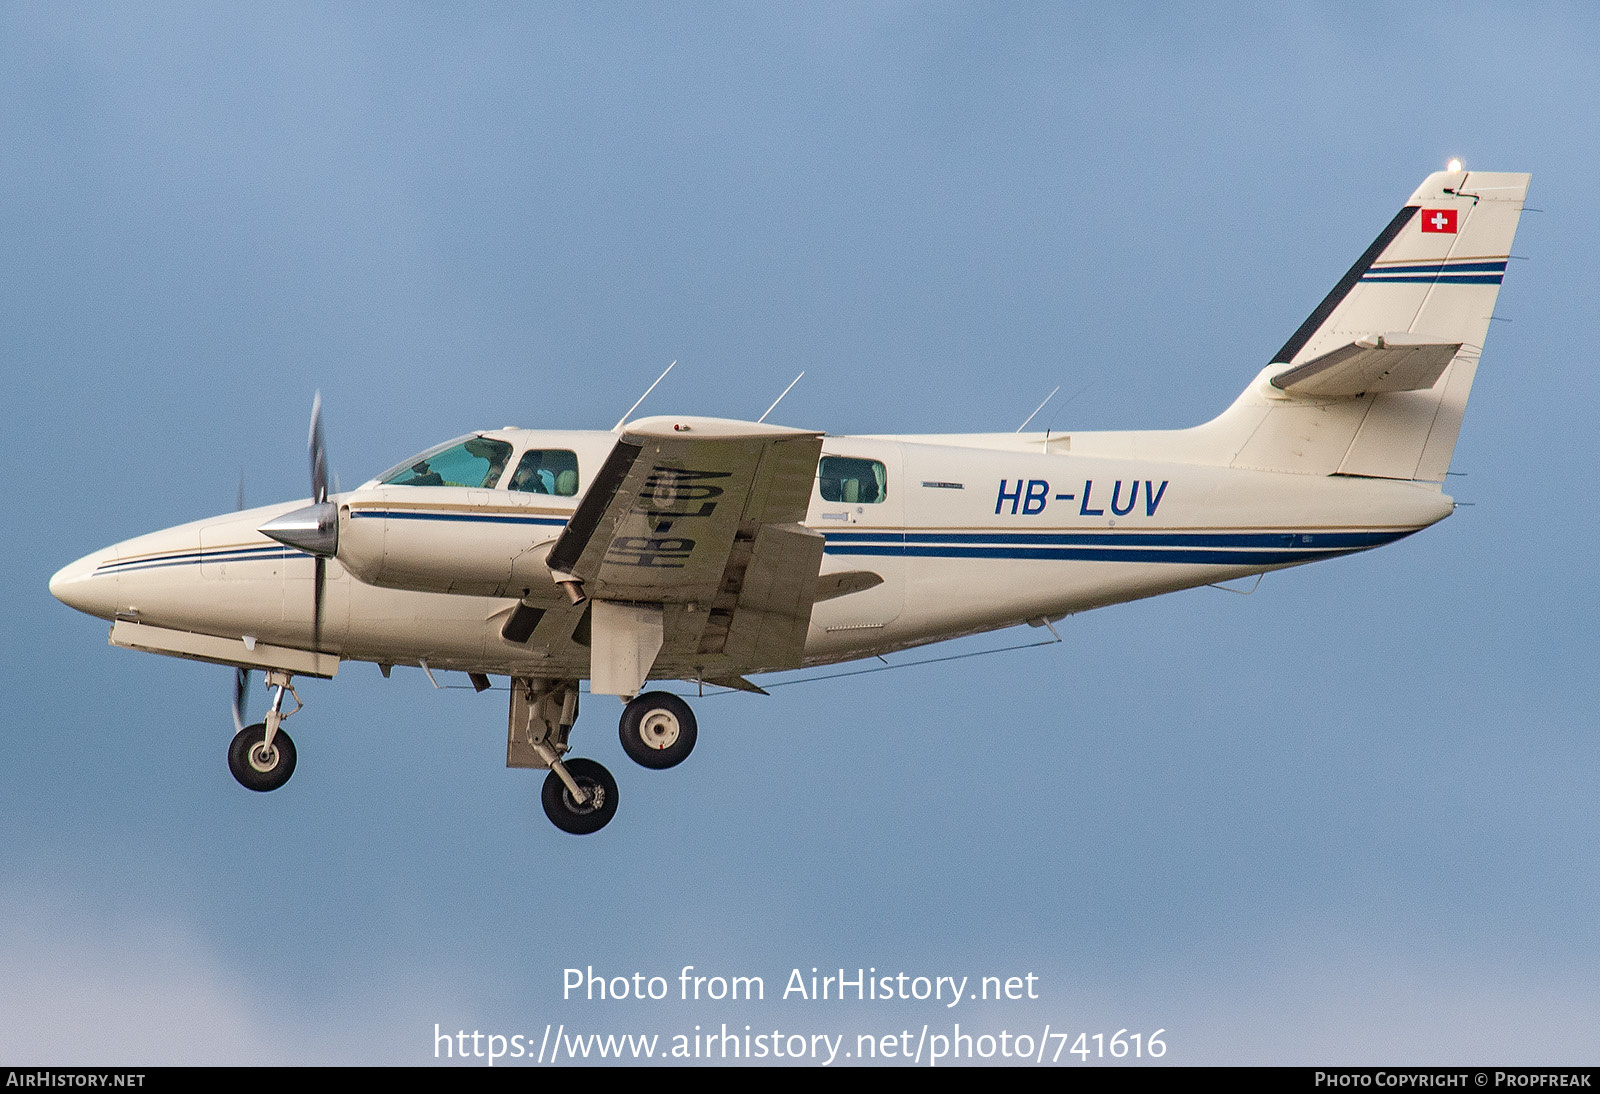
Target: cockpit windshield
476, 462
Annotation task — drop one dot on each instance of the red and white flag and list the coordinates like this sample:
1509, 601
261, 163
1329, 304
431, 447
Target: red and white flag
1439, 220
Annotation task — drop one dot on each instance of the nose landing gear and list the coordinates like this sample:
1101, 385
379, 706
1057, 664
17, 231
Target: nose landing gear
257, 765
262, 756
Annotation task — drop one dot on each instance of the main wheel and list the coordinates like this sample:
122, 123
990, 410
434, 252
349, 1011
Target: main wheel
565, 813
254, 765
658, 730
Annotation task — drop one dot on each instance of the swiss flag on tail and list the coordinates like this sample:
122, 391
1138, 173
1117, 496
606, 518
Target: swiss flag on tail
1439, 220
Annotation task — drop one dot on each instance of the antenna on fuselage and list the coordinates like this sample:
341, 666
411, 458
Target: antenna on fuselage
623, 420
779, 399
1063, 405
1036, 410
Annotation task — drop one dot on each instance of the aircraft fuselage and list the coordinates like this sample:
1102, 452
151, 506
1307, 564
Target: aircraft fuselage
962, 538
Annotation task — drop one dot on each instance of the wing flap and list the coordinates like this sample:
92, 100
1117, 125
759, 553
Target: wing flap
773, 611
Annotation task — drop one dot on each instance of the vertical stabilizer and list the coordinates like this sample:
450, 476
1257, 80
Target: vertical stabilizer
1375, 381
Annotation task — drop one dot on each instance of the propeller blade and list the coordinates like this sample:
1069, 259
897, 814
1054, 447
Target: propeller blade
314, 529
241, 685
316, 604
241, 677
319, 453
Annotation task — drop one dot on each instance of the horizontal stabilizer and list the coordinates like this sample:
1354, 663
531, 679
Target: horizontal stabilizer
1384, 362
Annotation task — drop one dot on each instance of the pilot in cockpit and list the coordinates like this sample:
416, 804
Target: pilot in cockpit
423, 475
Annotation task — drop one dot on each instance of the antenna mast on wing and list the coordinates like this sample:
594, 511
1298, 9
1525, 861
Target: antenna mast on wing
623, 420
779, 399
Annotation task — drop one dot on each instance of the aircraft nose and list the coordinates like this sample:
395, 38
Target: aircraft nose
77, 586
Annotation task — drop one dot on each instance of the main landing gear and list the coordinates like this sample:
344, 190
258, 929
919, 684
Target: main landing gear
591, 807
262, 756
657, 730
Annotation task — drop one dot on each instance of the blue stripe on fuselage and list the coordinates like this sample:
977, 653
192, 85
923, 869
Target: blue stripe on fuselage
467, 518
1214, 548
193, 557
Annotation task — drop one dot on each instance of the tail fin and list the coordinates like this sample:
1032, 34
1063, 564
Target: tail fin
1375, 381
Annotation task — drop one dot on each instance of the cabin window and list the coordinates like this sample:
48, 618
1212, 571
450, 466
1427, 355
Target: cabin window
852, 481
546, 471
475, 462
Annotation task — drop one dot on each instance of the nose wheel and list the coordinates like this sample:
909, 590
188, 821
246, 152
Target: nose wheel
259, 765
262, 756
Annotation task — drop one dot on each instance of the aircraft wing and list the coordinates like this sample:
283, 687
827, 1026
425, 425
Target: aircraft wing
702, 516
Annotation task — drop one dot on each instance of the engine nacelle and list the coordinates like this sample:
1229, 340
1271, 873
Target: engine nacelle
451, 540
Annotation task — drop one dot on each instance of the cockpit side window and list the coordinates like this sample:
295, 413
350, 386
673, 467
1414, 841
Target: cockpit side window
475, 462
546, 471
852, 481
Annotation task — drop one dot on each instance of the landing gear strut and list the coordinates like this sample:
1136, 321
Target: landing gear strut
262, 756
580, 796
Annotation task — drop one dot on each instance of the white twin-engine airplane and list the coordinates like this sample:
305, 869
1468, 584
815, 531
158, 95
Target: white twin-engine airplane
707, 550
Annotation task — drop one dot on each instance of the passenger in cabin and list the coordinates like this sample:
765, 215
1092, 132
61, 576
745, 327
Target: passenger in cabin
851, 480
546, 471
533, 479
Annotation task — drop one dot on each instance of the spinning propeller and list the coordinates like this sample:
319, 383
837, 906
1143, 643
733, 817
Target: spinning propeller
315, 528
241, 684
241, 676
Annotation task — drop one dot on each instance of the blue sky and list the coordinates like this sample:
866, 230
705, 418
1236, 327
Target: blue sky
1347, 819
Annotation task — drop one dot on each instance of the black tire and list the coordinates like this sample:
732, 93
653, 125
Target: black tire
567, 814
254, 770
658, 730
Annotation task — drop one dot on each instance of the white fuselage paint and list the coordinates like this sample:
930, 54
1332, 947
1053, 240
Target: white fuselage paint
966, 539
